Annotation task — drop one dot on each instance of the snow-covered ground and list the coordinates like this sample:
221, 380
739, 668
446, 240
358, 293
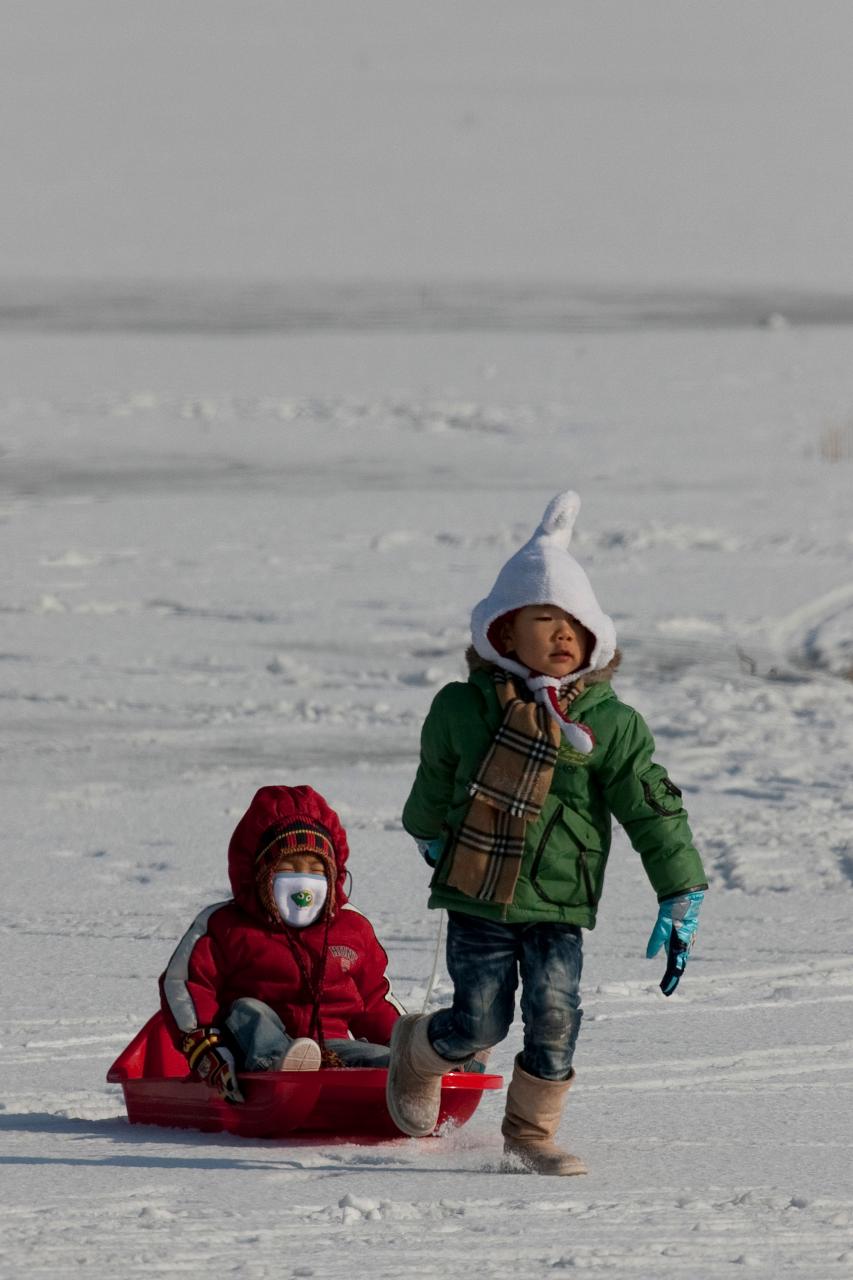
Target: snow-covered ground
235, 561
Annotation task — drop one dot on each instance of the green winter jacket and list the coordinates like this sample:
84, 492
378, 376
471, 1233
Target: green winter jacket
566, 848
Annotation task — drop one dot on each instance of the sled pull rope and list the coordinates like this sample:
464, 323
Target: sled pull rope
432, 976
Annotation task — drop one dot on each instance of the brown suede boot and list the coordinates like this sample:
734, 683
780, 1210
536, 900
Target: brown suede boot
533, 1110
413, 1091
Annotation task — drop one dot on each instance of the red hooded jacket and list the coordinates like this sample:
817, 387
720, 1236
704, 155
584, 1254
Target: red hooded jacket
238, 948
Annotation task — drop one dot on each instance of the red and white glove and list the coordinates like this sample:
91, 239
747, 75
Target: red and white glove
212, 1062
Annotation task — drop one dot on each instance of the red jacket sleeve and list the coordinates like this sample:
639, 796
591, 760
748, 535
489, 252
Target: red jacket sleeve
189, 987
381, 1008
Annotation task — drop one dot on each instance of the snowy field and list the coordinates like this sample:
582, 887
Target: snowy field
236, 561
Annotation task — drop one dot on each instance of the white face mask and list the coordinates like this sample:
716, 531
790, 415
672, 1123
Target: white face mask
300, 897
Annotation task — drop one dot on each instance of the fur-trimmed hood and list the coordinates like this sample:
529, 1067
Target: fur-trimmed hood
477, 663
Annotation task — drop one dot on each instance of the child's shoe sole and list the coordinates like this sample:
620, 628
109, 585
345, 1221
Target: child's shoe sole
303, 1055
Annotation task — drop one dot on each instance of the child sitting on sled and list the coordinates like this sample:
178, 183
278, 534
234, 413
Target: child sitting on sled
521, 769
285, 976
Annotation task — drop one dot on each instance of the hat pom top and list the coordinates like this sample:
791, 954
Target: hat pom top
558, 521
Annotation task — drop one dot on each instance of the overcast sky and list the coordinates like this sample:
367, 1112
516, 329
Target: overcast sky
611, 142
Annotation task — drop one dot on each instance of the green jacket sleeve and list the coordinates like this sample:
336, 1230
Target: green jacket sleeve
432, 791
648, 805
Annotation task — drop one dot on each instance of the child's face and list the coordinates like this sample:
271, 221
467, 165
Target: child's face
305, 864
548, 640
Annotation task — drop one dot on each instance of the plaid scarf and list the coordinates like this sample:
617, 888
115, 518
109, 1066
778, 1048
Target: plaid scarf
508, 792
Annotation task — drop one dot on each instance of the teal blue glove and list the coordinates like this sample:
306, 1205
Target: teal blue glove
430, 850
675, 929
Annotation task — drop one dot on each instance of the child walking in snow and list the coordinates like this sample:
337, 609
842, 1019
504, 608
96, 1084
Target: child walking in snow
521, 769
286, 976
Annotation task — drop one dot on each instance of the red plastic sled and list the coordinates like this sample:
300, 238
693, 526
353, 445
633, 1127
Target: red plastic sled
340, 1104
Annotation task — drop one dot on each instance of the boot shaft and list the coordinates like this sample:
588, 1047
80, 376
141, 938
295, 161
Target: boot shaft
533, 1111
534, 1107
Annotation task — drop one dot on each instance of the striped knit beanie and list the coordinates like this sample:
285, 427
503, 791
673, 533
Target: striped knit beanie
299, 837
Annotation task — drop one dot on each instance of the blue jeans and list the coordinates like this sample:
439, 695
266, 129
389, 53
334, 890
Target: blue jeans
258, 1039
484, 959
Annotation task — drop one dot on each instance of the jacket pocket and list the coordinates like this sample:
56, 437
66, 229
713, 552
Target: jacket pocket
660, 793
568, 865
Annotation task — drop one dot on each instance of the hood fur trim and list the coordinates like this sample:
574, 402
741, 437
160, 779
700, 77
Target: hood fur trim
477, 663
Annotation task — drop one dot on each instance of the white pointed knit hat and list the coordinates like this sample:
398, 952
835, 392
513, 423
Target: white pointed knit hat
543, 572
